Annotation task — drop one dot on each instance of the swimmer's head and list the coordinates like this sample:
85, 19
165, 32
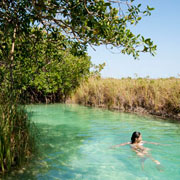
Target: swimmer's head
136, 137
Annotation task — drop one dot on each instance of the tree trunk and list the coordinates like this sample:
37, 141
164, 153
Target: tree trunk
12, 56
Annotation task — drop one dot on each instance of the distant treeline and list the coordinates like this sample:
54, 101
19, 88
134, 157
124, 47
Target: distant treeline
153, 96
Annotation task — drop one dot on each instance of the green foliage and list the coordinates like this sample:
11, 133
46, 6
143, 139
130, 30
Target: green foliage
96, 70
84, 22
44, 67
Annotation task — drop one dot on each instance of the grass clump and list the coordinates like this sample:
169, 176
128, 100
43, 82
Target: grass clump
16, 139
154, 96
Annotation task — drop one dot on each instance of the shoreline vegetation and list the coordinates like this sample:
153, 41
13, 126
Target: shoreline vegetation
16, 134
157, 97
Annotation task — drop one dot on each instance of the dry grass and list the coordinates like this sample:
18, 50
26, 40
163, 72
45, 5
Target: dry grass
155, 96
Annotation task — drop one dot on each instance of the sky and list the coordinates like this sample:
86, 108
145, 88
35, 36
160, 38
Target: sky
163, 27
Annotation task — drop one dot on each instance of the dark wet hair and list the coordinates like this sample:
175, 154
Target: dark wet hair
134, 136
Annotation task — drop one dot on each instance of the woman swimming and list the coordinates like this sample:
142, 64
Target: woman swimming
137, 146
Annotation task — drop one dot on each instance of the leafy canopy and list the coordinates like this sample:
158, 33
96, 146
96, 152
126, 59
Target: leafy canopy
84, 22
44, 71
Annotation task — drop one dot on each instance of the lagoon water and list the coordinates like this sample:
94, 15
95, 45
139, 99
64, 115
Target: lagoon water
75, 143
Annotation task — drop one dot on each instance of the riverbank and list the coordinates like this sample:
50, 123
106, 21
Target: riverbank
158, 97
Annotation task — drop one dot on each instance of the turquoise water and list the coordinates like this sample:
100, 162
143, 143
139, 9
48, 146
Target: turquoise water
75, 143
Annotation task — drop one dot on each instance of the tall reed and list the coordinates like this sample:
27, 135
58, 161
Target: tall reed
16, 139
155, 96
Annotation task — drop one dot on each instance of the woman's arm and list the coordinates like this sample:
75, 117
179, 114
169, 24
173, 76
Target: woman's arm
148, 142
118, 145
156, 143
